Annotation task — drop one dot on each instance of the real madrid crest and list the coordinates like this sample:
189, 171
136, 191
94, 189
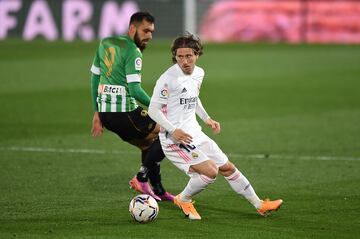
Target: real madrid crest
194, 155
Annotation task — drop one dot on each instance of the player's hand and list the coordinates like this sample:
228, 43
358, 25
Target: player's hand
214, 125
181, 136
97, 127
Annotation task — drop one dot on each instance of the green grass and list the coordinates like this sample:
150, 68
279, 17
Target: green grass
290, 121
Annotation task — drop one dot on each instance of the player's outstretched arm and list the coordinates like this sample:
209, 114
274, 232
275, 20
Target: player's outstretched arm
97, 127
95, 80
201, 112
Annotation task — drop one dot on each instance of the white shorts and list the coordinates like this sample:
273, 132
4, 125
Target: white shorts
203, 148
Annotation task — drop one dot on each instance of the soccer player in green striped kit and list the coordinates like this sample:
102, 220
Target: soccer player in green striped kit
116, 89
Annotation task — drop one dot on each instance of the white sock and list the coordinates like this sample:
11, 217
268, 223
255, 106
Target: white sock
241, 185
196, 184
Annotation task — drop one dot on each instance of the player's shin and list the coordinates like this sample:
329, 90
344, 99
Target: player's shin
151, 158
151, 163
196, 184
142, 174
155, 179
242, 186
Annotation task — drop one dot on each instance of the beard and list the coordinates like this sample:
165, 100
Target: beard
139, 43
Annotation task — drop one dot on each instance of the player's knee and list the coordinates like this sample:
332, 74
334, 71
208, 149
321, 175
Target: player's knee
212, 173
154, 134
212, 170
146, 143
227, 169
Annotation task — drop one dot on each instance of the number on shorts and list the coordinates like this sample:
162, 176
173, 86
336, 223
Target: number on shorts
187, 147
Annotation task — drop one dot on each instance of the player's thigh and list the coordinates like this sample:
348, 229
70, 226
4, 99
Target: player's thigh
133, 127
210, 148
142, 144
153, 134
183, 156
207, 168
142, 122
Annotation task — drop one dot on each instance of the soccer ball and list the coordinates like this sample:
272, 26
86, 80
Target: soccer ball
143, 208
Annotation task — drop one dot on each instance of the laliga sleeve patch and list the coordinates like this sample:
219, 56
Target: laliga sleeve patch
138, 64
164, 93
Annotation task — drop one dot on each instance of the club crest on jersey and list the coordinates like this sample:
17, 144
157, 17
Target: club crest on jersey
138, 64
194, 155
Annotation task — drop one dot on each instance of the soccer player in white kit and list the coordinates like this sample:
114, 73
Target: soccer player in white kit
174, 105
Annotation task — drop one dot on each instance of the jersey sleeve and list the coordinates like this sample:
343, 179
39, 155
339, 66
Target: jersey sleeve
138, 93
95, 79
95, 67
201, 112
133, 65
161, 91
200, 76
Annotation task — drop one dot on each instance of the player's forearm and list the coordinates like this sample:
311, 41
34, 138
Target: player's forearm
157, 115
95, 79
138, 93
201, 112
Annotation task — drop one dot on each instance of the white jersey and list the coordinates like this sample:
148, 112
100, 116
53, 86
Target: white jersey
179, 94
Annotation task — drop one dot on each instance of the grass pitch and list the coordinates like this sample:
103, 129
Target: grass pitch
290, 121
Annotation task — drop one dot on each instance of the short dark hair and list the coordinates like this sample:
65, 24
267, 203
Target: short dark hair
138, 17
187, 40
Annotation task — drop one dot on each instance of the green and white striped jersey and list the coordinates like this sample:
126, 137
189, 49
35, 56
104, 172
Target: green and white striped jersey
118, 61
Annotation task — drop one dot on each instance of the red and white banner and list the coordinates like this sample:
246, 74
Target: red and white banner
315, 21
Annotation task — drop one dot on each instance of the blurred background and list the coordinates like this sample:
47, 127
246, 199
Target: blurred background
295, 21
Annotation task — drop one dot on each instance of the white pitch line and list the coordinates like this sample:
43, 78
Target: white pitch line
278, 156
60, 150
231, 155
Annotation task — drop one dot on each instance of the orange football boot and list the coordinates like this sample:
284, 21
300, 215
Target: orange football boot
268, 206
187, 208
